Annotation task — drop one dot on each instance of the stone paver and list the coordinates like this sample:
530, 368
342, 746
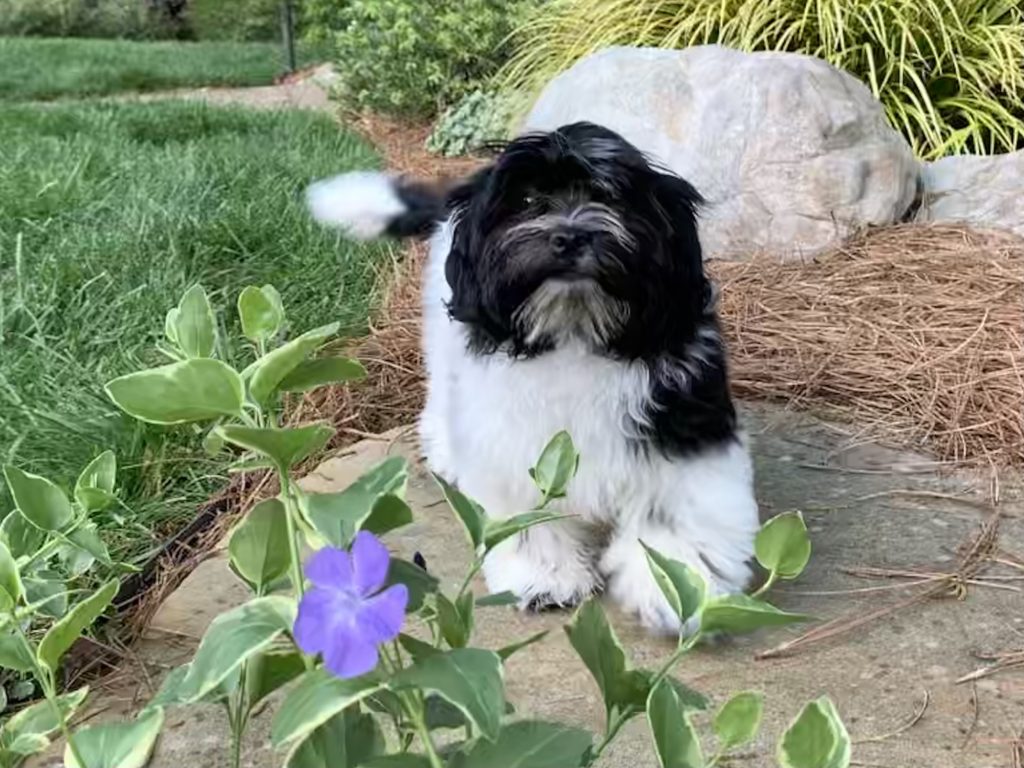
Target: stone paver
872, 508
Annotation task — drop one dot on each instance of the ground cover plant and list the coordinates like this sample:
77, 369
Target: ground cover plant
950, 74
336, 642
107, 211
34, 68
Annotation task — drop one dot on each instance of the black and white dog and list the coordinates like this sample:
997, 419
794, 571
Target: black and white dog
565, 290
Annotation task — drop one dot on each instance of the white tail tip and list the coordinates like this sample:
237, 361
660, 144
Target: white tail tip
362, 203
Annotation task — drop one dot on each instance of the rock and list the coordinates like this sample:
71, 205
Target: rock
791, 154
977, 190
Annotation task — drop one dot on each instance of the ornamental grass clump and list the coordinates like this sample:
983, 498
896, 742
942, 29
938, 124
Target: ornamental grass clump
950, 73
372, 656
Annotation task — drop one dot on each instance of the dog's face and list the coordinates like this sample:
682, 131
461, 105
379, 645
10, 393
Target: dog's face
574, 235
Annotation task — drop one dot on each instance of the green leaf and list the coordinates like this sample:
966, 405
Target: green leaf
171, 325
232, 638
261, 317
624, 690
94, 489
271, 369
739, 719
21, 536
50, 597
388, 513
527, 744
556, 466
310, 374
782, 545
682, 586
258, 546
338, 516
11, 588
417, 648
456, 621
26, 744
116, 745
275, 298
688, 697
496, 531
39, 719
168, 691
317, 698
347, 739
269, 671
417, 581
741, 613
506, 651
285, 447
192, 390
14, 654
439, 713
87, 538
469, 678
62, 635
402, 760
194, 326
497, 599
675, 739
472, 515
41, 502
816, 739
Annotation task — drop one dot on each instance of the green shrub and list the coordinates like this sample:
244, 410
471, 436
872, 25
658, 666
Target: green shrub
238, 20
478, 118
133, 19
950, 74
412, 58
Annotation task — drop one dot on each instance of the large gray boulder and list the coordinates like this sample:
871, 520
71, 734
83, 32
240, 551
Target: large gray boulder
971, 189
791, 154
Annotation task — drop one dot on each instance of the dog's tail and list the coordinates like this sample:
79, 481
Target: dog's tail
368, 204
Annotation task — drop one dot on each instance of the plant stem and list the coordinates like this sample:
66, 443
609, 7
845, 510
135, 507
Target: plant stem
679, 652
44, 678
772, 578
474, 569
293, 541
290, 511
621, 718
416, 715
239, 717
413, 704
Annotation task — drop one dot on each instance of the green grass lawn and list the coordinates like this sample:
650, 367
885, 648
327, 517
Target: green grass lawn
50, 68
108, 212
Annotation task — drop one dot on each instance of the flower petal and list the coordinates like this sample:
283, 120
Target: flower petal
330, 567
370, 560
379, 618
350, 656
317, 620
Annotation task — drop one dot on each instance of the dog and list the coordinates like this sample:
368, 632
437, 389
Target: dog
565, 290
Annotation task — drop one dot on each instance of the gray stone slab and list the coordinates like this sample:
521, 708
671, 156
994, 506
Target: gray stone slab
865, 506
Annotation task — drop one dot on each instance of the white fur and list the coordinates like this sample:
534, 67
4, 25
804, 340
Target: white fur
488, 417
361, 203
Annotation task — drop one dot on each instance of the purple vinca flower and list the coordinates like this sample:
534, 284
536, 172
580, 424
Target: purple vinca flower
345, 615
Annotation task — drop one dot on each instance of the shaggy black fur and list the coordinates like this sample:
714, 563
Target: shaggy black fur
523, 221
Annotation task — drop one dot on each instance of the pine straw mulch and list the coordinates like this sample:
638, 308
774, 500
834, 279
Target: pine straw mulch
913, 333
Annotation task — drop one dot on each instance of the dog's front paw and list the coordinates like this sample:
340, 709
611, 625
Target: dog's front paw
541, 583
632, 585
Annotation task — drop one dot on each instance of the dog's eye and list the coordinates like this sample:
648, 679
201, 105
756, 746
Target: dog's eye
529, 199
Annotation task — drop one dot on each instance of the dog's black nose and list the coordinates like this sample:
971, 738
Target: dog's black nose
566, 242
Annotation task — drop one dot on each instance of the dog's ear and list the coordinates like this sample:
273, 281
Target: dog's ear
465, 269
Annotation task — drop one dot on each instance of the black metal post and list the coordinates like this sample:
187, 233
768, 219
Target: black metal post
288, 34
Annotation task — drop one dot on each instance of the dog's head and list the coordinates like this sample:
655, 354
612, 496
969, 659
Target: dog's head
575, 235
